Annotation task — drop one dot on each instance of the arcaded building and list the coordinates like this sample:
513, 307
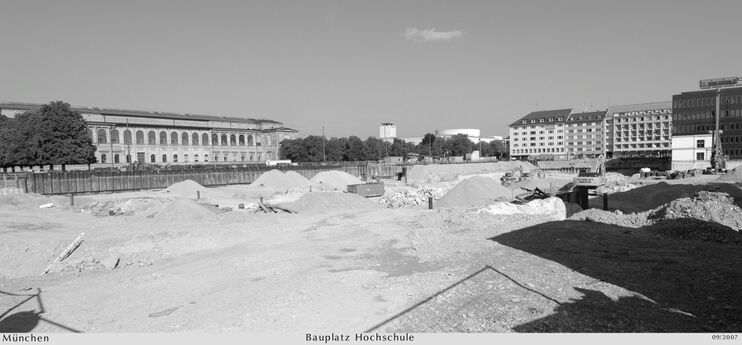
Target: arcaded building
539, 135
130, 136
639, 130
584, 134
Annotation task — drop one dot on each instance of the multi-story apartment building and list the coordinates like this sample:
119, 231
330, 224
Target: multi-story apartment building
639, 130
130, 136
584, 134
539, 135
694, 113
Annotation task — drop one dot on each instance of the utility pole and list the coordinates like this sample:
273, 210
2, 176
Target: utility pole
324, 156
110, 140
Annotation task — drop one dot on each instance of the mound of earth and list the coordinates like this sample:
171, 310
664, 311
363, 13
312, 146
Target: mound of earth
187, 188
695, 229
475, 191
276, 179
651, 196
705, 206
632, 220
334, 180
323, 201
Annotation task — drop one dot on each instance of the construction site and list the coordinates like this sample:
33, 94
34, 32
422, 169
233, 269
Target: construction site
489, 247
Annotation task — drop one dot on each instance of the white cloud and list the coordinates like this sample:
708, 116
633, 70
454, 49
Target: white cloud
430, 35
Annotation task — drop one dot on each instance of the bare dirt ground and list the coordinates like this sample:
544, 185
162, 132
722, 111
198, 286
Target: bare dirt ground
354, 265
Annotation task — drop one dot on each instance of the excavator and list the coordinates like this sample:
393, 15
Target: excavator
593, 178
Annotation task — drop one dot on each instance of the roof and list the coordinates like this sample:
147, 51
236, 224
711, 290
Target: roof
546, 114
640, 107
142, 113
587, 116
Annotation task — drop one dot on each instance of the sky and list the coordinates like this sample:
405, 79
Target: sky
349, 65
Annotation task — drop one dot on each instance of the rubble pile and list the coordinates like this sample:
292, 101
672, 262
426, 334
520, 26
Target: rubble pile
476, 191
705, 206
411, 196
631, 220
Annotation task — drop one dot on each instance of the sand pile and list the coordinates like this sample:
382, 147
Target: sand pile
125, 207
323, 201
334, 180
187, 188
475, 191
734, 176
276, 179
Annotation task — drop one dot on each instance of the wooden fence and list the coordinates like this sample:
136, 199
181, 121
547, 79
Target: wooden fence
74, 182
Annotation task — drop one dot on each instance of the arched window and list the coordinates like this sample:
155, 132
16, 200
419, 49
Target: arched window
250, 141
127, 137
269, 139
206, 157
232, 140
195, 158
115, 158
163, 138
224, 141
173, 138
185, 158
216, 158
205, 139
258, 139
103, 158
90, 134
175, 158
140, 138
114, 136
242, 140
164, 158
184, 138
214, 139
102, 136
152, 158
151, 138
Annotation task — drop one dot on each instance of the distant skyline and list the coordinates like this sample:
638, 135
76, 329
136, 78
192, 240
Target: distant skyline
350, 65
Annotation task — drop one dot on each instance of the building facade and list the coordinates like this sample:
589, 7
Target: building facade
639, 130
539, 135
694, 113
584, 134
387, 131
130, 136
692, 151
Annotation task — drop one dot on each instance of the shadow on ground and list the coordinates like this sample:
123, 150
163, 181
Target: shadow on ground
26, 321
689, 285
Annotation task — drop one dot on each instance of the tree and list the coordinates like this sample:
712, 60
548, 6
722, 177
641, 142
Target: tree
397, 148
460, 145
374, 148
355, 151
58, 136
314, 146
334, 149
294, 149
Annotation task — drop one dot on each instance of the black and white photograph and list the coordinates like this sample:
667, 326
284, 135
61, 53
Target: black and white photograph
370, 171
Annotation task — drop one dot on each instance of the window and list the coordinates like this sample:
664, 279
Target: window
152, 158
164, 158
103, 158
175, 158
151, 138
163, 138
101, 136
206, 157
127, 137
184, 138
173, 138
700, 144
115, 135
195, 158
194, 139
699, 156
140, 138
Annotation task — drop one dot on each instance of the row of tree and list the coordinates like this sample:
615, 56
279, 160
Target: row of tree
318, 149
52, 135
